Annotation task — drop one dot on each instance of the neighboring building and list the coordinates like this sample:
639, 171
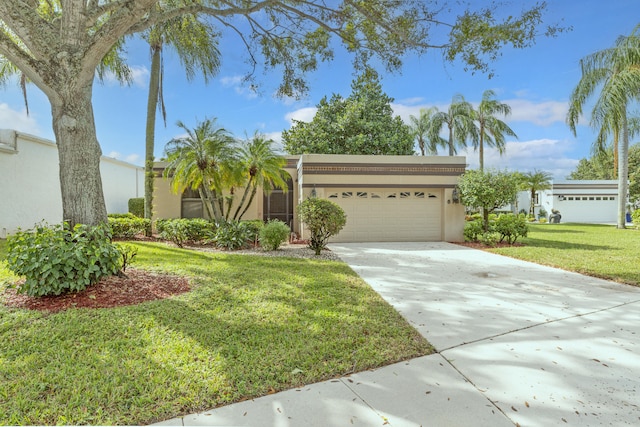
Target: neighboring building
586, 201
30, 189
386, 198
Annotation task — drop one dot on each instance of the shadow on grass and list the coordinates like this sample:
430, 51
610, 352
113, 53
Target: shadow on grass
555, 244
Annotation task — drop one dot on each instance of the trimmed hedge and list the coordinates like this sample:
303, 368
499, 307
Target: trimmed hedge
126, 226
136, 206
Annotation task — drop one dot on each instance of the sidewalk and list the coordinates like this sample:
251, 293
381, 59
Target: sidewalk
518, 343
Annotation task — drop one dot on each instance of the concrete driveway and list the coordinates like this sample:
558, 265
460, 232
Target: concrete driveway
546, 346
518, 344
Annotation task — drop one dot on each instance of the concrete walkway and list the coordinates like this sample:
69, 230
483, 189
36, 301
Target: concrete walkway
518, 344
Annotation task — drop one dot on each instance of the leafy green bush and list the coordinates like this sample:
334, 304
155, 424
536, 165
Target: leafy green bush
183, 230
136, 206
233, 235
510, 227
473, 230
127, 253
56, 259
254, 226
635, 218
323, 218
126, 226
490, 238
273, 234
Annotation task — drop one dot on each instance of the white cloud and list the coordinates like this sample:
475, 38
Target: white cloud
303, 114
18, 120
237, 83
539, 113
549, 155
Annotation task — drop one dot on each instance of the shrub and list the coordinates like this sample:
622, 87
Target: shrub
490, 238
323, 218
126, 226
510, 227
232, 235
127, 253
253, 227
57, 259
635, 218
472, 230
183, 230
136, 206
273, 234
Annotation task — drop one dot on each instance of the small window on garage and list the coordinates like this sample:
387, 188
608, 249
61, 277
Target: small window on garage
569, 198
584, 198
376, 195
591, 198
418, 194
333, 195
391, 195
347, 194
362, 195
405, 194
598, 198
432, 196
612, 198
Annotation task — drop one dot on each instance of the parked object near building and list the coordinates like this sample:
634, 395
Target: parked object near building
385, 198
30, 188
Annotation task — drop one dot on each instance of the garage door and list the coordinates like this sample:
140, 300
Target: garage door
383, 215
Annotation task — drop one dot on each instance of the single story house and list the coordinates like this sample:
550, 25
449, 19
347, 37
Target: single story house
583, 201
30, 190
385, 198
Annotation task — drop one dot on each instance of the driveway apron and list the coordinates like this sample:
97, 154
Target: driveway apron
545, 346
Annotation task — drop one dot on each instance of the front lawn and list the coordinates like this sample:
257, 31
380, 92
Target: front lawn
596, 250
251, 326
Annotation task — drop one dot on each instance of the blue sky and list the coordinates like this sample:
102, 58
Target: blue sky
536, 83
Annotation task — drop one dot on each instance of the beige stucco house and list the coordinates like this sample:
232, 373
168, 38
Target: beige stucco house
386, 198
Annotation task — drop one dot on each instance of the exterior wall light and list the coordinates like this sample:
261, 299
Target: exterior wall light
455, 196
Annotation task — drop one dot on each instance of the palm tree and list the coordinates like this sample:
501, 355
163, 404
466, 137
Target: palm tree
616, 73
203, 160
535, 181
422, 132
195, 43
459, 121
491, 130
262, 167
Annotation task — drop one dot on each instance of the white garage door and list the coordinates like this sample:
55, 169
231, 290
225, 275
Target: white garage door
383, 215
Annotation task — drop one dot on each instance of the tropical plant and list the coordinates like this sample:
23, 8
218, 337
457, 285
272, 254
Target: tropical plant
196, 44
459, 122
533, 182
204, 160
487, 190
614, 74
421, 131
491, 130
261, 167
323, 218
273, 234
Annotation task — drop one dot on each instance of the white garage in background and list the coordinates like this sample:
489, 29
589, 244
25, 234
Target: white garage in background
30, 186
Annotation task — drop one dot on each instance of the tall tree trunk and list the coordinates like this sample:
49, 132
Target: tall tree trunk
152, 106
451, 148
616, 156
79, 156
481, 150
532, 206
623, 172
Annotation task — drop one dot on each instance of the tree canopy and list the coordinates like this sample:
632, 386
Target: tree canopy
59, 45
362, 123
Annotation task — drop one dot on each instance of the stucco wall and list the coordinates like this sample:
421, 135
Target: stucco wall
30, 186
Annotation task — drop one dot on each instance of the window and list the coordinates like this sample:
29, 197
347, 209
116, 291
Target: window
570, 198
432, 196
347, 194
376, 196
405, 194
391, 195
418, 194
333, 195
536, 199
598, 198
361, 195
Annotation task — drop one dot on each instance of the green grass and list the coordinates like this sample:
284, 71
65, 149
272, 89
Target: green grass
251, 326
596, 250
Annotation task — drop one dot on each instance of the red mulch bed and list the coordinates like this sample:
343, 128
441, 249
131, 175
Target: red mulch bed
113, 291
478, 245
